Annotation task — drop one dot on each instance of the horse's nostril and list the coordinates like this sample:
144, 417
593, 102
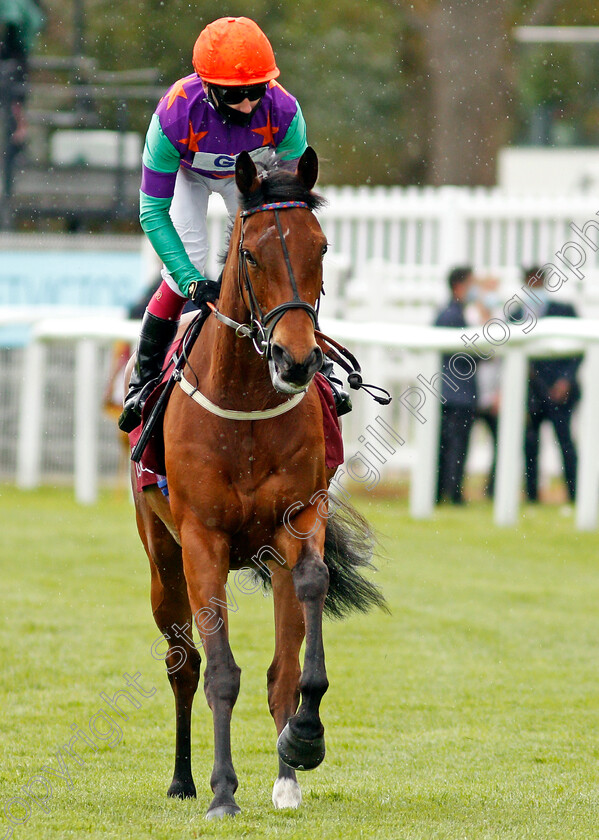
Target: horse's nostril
281, 357
317, 358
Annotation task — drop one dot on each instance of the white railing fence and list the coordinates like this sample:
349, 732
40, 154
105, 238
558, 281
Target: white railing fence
398, 356
416, 235
390, 251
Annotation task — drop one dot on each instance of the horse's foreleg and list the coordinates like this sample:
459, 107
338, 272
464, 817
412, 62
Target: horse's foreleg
172, 613
206, 560
283, 677
301, 743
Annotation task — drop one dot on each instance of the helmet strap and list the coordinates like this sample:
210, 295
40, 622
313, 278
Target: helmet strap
230, 115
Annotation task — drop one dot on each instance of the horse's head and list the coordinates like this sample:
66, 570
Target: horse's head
281, 248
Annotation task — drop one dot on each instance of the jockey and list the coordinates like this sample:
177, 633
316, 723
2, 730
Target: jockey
231, 103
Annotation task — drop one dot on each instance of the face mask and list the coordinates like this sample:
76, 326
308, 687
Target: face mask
471, 294
491, 300
230, 115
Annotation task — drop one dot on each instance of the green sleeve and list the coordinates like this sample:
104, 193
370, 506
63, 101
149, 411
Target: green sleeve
161, 156
159, 153
295, 142
158, 227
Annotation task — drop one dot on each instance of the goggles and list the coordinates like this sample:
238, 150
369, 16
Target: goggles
235, 95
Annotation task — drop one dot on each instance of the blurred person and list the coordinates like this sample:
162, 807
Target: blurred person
230, 103
20, 23
553, 393
457, 410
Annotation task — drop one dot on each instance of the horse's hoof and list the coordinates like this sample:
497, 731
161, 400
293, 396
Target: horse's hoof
286, 793
299, 754
182, 790
220, 811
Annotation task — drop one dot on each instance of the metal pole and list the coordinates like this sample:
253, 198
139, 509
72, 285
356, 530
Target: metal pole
587, 484
119, 174
86, 422
514, 381
423, 477
8, 150
29, 444
78, 29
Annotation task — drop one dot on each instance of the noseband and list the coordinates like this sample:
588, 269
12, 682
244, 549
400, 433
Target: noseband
262, 325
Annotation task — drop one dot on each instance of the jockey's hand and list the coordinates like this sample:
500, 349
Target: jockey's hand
206, 291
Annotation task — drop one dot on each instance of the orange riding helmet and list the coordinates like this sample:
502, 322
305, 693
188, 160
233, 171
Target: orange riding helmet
234, 51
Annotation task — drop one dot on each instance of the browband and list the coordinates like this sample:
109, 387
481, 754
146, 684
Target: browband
276, 205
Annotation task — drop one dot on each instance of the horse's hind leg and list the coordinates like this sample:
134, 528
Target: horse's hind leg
284, 676
172, 613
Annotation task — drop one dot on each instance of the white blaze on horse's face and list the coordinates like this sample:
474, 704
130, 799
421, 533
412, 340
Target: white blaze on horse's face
294, 356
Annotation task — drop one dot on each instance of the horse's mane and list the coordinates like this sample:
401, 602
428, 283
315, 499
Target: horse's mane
278, 184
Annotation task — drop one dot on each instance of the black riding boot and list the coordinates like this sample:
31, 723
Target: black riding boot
342, 398
155, 338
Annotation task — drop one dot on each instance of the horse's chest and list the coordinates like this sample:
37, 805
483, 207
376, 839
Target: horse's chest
250, 477
270, 484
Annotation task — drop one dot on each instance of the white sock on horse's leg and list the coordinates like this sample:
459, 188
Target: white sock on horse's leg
286, 793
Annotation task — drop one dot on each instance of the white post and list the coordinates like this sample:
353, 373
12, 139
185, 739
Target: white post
587, 484
423, 480
29, 446
453, 249
86, 425
510, 444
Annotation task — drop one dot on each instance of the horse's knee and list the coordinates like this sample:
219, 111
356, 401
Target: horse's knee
310, 578
222, 682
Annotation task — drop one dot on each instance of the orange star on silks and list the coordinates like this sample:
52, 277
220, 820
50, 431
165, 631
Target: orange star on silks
267, 132
176, 90
193, 138
273, 84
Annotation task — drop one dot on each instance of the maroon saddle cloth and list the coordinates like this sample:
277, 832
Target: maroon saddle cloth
151, 470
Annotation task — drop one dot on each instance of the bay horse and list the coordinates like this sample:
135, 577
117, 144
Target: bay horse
247, 478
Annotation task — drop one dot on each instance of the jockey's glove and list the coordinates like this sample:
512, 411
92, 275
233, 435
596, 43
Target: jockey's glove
204, 291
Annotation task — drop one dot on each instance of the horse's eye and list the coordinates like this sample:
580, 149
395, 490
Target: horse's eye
248, 258
325, 248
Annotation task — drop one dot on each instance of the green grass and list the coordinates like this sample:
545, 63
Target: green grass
470, 712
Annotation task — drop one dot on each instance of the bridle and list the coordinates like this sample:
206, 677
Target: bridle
262, 325
260, 330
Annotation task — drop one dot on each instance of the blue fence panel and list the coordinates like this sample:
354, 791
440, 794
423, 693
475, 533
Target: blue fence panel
85, 278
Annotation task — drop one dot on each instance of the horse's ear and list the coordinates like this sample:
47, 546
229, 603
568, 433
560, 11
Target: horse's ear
246, 174
307, 168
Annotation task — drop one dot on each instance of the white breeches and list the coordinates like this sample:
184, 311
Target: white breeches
189, 210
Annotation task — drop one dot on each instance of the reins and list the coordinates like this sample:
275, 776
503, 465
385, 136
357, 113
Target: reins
344, 358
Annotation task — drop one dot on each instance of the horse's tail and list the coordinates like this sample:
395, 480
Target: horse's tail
348, 548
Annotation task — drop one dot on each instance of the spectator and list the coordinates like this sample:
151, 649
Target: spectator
20, 23
553, 392
457, 411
